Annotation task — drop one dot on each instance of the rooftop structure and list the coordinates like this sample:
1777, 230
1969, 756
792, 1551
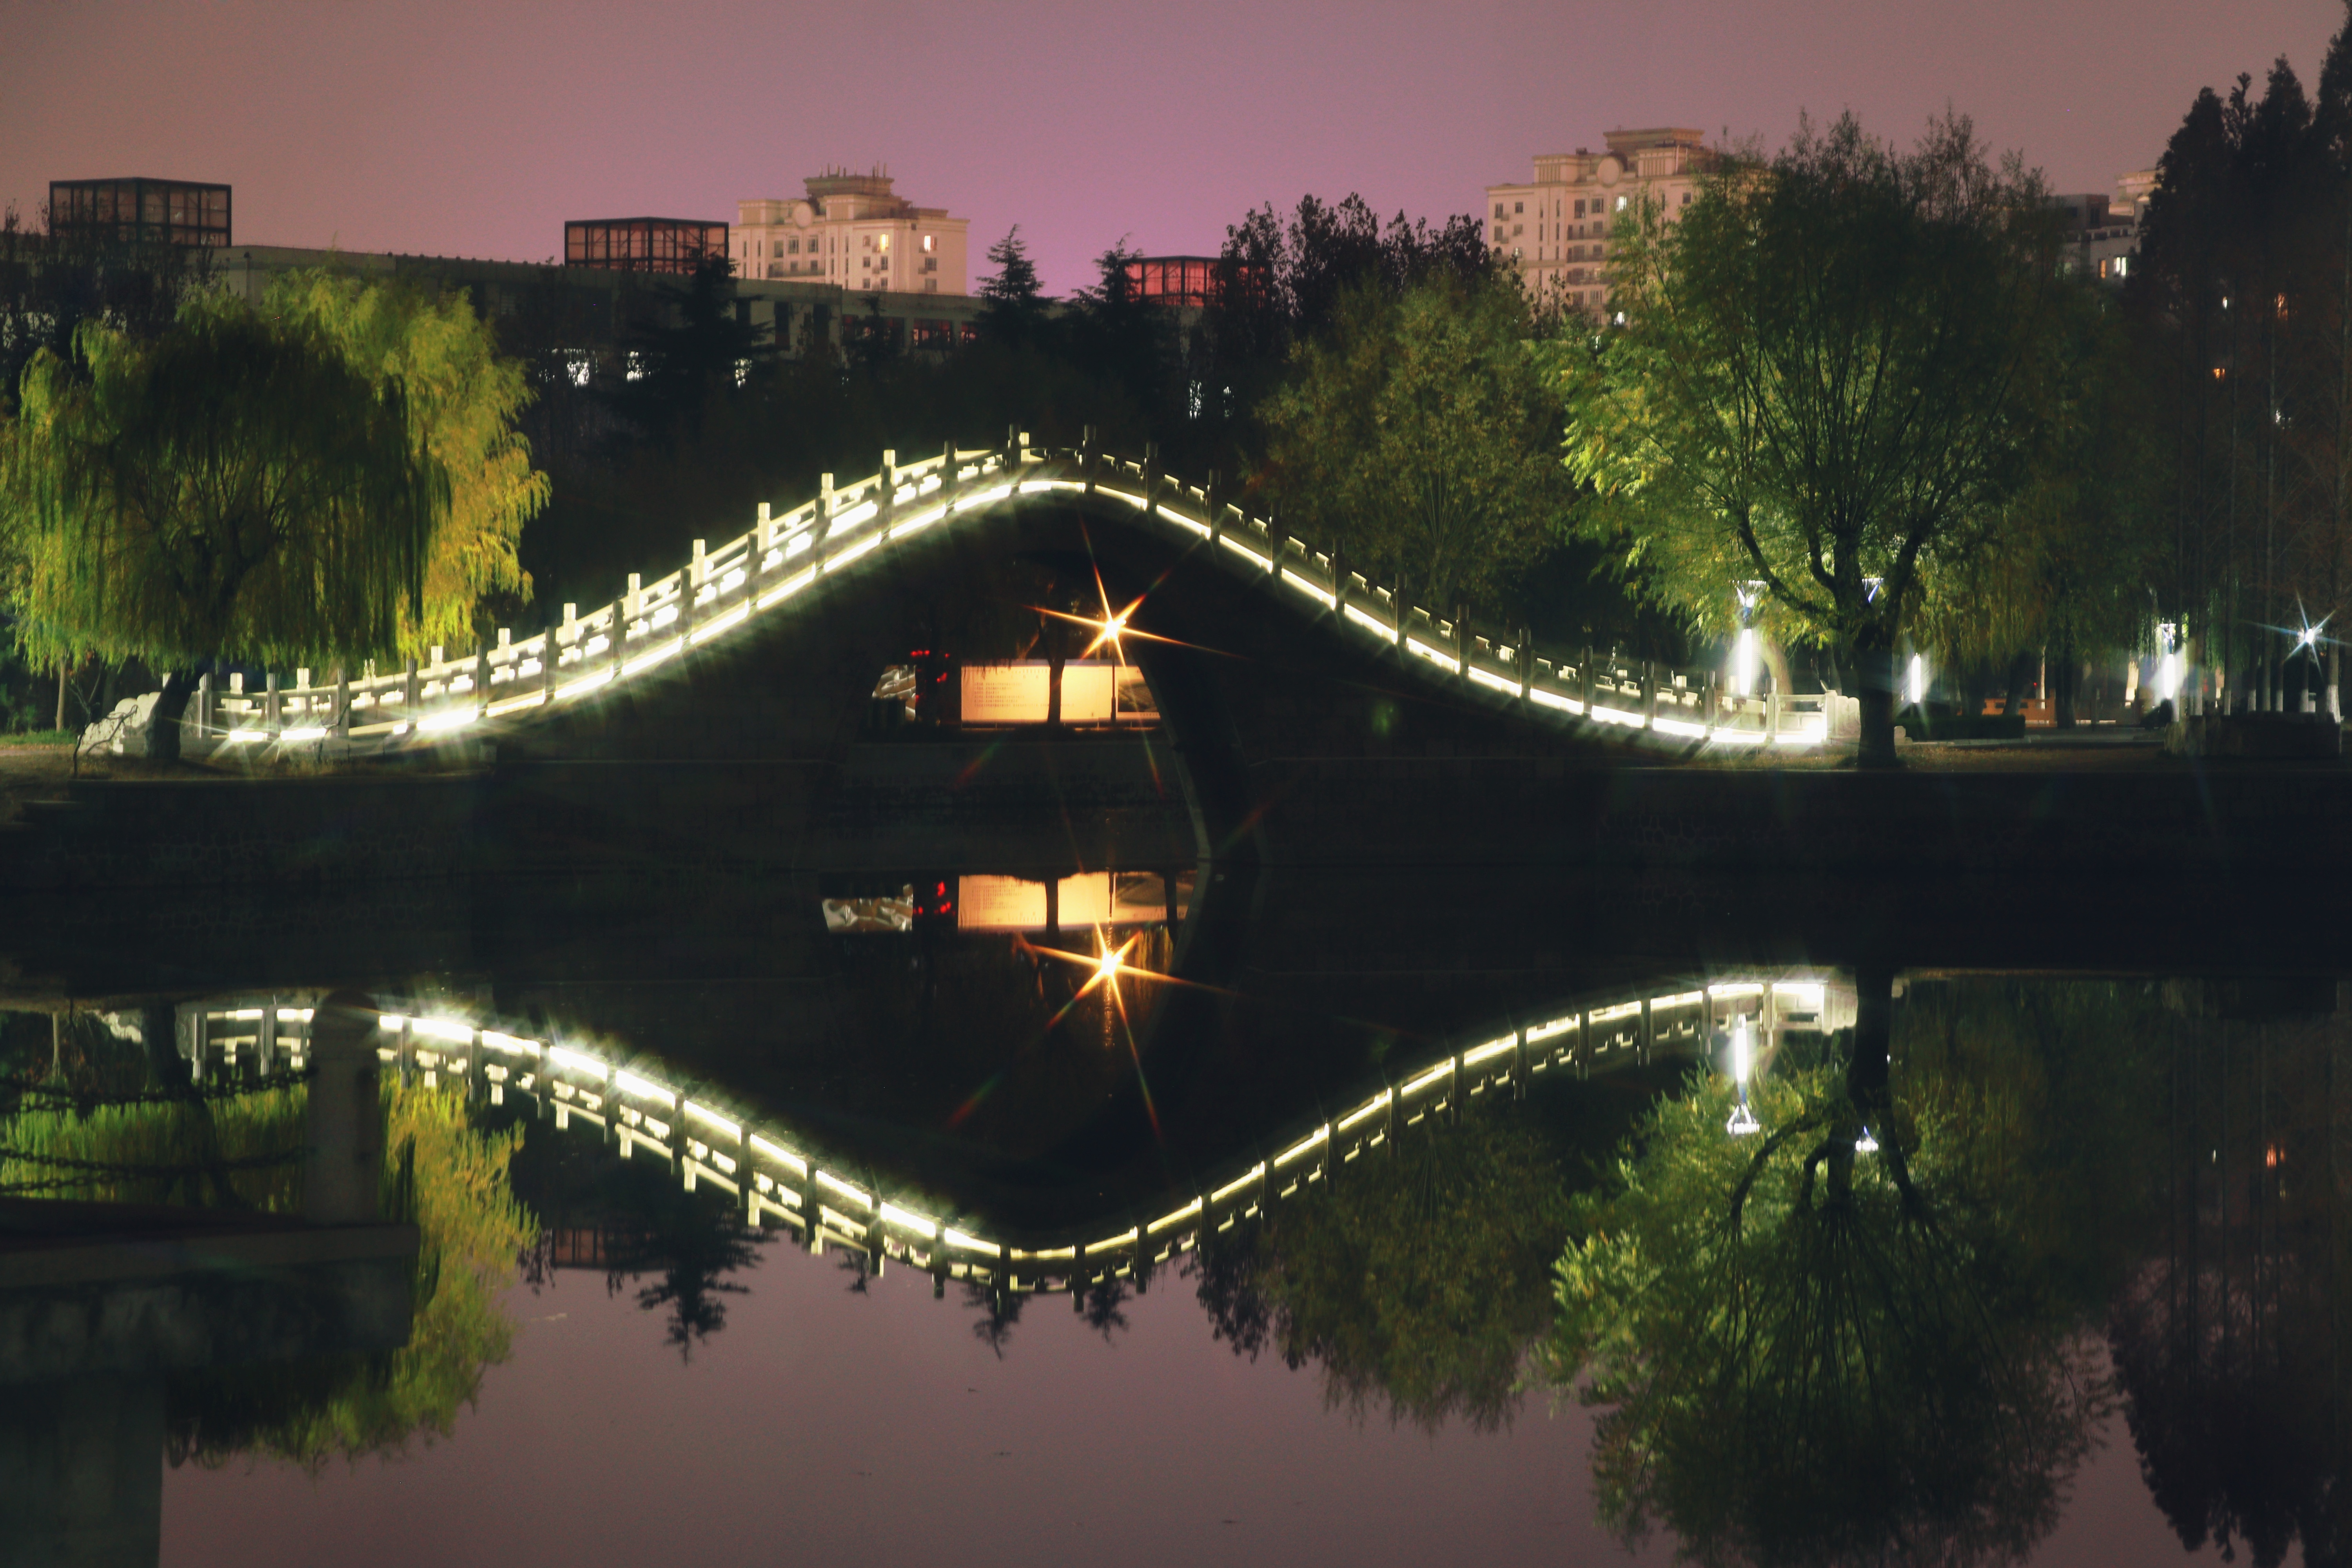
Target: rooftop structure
136, 210
643, 244
1185, 282
853, 231
1554, 230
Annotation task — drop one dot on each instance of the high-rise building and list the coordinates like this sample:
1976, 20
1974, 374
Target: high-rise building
1555, 229
853, 232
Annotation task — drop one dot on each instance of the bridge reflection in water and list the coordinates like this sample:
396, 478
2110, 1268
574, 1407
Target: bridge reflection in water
780, 1179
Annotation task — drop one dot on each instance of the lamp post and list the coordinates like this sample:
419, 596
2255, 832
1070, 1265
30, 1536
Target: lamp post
1743, 1120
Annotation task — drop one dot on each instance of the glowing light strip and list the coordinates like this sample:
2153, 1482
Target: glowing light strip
1378, 629
1321, 596
1810, 991
919, 520
1679, 727
1442, 1069
1553, 699
443, 1029
732, 618
646, 661
1377, 1102
1222, 1193
984, 497
1557, 1026
838, 1186
1124, 1238
908, 1220
630, 1083
389, 1021
1265, 563
1178, 1217
781, 1156
1303, 1144
1680, 999
858, 516
705, 1114
497, 710
1051, 1255
1617, 716
790, 586
513, 1044
294, 1015
1495, 681
602, 678
1183, 521
1131, 497
578, 1063
1611, 1015
1738, 737
1434, 655
1491, 1048
970, 1243
442, 723
1737, 988
841, 558
303, 732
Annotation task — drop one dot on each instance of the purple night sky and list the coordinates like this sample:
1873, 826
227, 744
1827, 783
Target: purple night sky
471, 129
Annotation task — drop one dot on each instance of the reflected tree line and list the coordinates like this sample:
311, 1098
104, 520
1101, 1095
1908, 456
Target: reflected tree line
1888, 1326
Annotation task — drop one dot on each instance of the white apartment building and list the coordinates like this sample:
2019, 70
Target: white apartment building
852, 232
1555, 230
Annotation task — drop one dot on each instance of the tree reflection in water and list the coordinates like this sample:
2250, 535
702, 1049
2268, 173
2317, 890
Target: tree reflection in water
2232, 1345
1415, 1279
108, 1131
1807, 1354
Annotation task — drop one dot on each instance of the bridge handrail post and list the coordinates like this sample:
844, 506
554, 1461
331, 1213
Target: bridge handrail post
1650, 693
763, 538
620, 632
1398, 610
1772, 716
824, 509
342, 727
1584, 675
1526, 650
411, 692
690, 589
205, 704
1339, 582
947, 469
1214, 517
1086, 458
886, 497
481, 680
1151, 477
271, 707
1461, 640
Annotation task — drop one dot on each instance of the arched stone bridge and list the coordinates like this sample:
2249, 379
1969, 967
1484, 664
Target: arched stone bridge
886, 523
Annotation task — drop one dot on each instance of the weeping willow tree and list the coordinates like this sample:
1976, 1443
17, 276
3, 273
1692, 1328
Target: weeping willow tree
326, 476
462, 400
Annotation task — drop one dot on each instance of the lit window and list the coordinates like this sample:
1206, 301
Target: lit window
1621, 203
2123, 265
927, 245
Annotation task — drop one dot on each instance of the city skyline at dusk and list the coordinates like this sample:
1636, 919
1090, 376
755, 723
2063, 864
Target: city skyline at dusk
453, 130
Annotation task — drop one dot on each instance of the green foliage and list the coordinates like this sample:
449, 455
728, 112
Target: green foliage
462, 398
1013, 308
1414, 1279
1418, 436
470, 1231
1811, 1356
244, 1150
1834, 374
235, 486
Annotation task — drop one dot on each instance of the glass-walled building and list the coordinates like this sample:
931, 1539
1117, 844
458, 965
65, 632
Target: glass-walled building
643, 244
139, 211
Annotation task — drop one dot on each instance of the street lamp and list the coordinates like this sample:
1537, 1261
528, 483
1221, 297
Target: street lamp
1743, 1120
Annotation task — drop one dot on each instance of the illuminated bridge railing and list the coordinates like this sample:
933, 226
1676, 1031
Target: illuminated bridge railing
779, 1180
717, 592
